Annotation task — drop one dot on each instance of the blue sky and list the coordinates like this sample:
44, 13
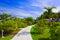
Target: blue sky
24, 8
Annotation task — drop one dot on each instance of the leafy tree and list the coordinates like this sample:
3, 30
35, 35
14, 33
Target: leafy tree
1, 24
29, 20
40, 26
17, 20
8, 26
58, 14
48, 14
23, 25
4, 16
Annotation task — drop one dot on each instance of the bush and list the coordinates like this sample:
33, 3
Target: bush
23, 25
29, 20
47, 30
9, 25
1, 24
41, 25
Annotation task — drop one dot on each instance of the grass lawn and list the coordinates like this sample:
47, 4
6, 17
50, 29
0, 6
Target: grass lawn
7, 38
44, 36
36, 36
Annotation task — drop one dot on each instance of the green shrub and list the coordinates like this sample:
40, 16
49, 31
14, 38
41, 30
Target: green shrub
9, 25
47, 30
1, 24
23, 25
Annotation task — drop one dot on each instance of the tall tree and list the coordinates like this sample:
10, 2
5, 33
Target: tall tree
4, 16
47, 14
29, 20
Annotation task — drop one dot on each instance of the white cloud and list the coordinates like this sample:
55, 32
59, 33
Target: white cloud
35, 3
15, 11
41, 3
46, 3
56, 9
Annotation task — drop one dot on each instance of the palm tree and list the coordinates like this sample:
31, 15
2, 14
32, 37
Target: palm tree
48, 11
46, 14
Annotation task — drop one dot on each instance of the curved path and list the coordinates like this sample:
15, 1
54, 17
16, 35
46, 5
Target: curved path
24, 34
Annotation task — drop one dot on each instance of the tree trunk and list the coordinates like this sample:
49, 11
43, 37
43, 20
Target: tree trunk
2, 33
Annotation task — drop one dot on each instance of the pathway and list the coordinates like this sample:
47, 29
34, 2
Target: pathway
24, 34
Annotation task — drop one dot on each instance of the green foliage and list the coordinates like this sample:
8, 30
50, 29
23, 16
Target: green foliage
42, 22
9, 25
45, 30
48, 14
1, 25
4, 16
29, 20
40, 36
7, 38
23, 25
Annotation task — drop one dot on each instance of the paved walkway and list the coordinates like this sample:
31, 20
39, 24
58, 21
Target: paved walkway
24, 34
